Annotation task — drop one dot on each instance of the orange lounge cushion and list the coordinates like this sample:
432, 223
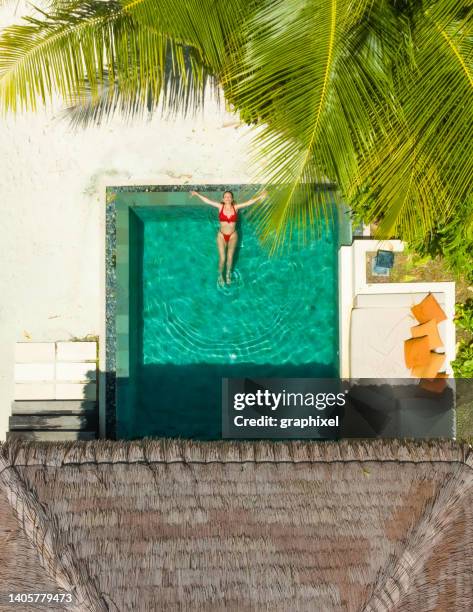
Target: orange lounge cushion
430, 330
435, 385
416, 351
431, 368
428, 309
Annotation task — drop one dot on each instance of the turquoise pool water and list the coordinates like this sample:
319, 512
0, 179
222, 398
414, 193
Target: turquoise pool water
278, 318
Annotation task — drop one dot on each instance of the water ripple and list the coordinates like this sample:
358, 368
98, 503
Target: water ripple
280, 309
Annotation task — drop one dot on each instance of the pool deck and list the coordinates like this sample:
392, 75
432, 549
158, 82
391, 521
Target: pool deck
353, 283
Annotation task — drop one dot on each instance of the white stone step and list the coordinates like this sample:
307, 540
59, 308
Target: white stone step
76, 372
35, 352
35, 391
76, 351
65, 391
53, 407
53, 422
29, 372
51, 391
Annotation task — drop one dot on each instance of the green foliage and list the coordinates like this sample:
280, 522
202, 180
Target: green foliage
451, 238
464, 315
463, 364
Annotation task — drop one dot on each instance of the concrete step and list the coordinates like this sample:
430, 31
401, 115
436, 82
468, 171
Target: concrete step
44, 407
50, 390
85, 421
51, 436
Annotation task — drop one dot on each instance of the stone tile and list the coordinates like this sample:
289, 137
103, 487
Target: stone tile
29, 372
32, 407
122, 323
122, 362
122, 299
76, 351
34, 391
123, 254
76, 391
122, 343
122, 210
34, 352
76, 372
122, 235
122, 308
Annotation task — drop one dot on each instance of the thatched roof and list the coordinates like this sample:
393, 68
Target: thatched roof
179, 525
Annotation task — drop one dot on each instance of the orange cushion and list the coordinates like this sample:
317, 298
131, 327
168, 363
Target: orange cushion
431, 368
435, 385
416, 351
428, 309
430, 330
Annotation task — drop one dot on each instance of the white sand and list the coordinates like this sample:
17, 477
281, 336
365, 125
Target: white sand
53, 210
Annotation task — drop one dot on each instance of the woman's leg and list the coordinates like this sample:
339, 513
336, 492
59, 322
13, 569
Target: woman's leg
221, 256
230, 252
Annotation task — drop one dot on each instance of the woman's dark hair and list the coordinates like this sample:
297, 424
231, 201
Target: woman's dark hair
231, 193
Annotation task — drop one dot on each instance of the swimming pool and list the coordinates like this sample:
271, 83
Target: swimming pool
184, 333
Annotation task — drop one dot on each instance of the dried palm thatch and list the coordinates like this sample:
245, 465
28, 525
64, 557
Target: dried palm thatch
177, 525
20, 561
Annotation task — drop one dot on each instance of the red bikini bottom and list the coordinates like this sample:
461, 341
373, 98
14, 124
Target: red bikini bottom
227, 236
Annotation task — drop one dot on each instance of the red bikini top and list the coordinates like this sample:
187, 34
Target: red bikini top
223, 217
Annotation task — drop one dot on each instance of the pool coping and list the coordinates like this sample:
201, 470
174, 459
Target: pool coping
114, 344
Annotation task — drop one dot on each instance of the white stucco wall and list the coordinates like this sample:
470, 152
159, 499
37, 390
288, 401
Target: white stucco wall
53, 213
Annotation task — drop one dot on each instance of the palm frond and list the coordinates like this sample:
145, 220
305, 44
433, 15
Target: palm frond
445, 78
404, 189
212, 26
422, 167
76, 47
319, 100
183, 95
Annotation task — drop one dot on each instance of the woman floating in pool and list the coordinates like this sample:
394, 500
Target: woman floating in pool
227, 237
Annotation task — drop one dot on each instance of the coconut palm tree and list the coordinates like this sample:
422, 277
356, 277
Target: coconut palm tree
376, 97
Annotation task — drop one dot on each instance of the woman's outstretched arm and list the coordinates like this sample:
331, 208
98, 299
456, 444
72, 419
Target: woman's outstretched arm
261, 196
205, 199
